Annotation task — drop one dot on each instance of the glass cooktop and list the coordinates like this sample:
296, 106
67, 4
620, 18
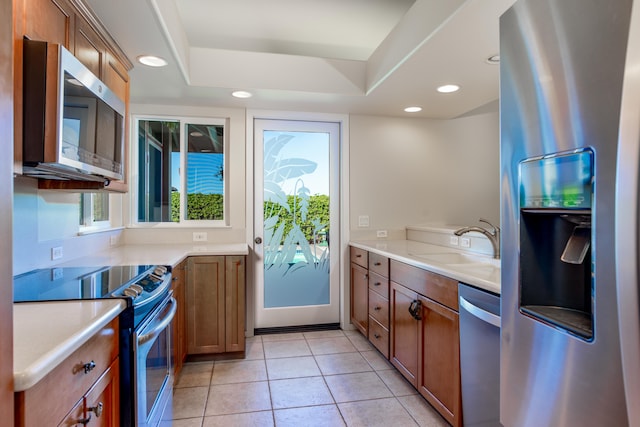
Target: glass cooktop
73, 283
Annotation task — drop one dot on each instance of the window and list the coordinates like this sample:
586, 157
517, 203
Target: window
181, 166
94, 210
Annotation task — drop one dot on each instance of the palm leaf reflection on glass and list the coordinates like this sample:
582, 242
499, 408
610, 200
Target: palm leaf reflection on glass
295, 224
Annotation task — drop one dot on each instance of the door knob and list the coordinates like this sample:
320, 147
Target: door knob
258, 240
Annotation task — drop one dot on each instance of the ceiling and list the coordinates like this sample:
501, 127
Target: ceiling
340, 56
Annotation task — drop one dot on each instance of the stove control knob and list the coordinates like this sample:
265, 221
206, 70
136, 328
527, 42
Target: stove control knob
130, 292
136, 288
160, 270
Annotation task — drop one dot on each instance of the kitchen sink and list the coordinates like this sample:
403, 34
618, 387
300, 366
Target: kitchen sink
455, 259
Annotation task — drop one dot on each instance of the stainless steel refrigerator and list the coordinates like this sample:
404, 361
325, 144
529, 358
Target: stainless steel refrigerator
570, 137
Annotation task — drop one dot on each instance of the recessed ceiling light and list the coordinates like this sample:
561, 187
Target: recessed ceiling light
413, 109
152, 61
241, 94
493, 59
448, 88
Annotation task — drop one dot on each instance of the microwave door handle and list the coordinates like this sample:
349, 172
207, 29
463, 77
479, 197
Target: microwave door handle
161, 325
480, 313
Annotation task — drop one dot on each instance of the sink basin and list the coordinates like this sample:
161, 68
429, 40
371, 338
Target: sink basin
461, 260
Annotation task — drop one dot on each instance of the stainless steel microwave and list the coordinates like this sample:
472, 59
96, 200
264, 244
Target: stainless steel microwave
73, 123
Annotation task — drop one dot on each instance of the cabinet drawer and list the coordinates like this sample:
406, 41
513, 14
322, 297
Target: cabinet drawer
431, 285
379, 284
52, 397
379, 308
379, 336
359, 256
379, 264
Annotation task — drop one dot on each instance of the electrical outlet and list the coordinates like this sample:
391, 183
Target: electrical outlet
56, 253
200, 236
56, 273
465, 242
363, 221
381, 233
453, 240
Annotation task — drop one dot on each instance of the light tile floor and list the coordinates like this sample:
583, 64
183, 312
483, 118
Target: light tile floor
325, 378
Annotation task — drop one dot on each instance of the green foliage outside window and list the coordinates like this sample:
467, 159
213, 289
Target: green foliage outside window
318, 209
199, 206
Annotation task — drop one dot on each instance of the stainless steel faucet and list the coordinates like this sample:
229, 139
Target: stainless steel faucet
493, 235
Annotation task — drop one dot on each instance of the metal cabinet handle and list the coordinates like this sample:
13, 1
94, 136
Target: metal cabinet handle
258, 240
377, 284
377, 336
359, 256
88, 367
415, 308
96, 409
377, 264
377, 307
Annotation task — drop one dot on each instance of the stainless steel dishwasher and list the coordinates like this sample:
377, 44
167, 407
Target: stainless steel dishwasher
479, 356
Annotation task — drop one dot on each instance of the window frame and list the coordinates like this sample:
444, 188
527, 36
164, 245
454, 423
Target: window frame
183, 121
87, 222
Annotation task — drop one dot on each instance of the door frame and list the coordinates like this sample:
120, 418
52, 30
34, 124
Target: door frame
343, 235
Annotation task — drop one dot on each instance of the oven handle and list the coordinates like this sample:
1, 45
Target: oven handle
162, 324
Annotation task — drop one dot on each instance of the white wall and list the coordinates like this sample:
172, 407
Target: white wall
419, 171
46, 219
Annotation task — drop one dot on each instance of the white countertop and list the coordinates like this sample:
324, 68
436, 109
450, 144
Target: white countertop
486, 277
161, 254
46, 333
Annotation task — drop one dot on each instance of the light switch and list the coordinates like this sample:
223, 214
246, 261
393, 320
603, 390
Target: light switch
363, 221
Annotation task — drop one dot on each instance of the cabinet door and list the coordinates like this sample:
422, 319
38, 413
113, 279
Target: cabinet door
102, 402
359, 298
89, 48
50, 20
116, 77
205, 304
234, 303
439, 374
404, 332
178, 326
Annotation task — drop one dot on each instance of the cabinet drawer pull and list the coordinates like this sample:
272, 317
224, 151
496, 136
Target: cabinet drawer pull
88, 367
359, 256
377, 264
377, 284
415, 308
377, 307
377, 336
96, 409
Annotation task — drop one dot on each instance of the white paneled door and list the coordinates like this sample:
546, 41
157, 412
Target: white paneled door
296, 219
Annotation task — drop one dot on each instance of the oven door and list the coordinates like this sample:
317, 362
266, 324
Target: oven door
153, 369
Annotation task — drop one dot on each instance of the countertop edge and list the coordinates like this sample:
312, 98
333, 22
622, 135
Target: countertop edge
48, 361
382, 248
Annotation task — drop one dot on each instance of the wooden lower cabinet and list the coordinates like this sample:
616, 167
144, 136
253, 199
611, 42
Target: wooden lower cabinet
100, 407
72, 395
426, 350
439, 357
359, 298
179, 321
215, 297
404, 333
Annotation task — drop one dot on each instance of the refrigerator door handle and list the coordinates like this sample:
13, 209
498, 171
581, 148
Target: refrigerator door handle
481, 314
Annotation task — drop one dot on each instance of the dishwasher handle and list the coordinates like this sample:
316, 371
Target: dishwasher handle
481, 314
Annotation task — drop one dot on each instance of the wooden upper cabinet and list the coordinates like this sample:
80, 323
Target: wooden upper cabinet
70, 23
50, 20
116, 77
89, 48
